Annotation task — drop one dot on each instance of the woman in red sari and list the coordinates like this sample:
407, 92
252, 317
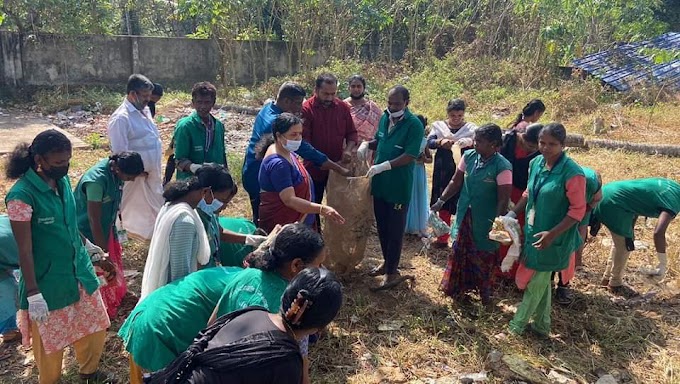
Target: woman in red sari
286, 190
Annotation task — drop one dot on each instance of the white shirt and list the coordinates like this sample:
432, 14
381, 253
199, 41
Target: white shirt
132, 130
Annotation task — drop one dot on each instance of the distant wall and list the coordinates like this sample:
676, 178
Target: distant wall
40, 60
47, 60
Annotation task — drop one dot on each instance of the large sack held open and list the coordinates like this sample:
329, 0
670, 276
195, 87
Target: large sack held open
351, 197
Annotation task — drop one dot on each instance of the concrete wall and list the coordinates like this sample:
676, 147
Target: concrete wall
41, 60
48, 60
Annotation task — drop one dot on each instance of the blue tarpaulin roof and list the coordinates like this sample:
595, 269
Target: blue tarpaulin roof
626, 64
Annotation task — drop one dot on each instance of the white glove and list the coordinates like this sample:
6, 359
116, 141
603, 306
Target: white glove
37, 307
511, 214
437, 206
95, 252
195, 167
508, 262
362, 152
465, 142
660, 269
255, 240
379, 168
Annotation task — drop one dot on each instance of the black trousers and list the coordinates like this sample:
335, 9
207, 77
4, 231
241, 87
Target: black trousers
319, 189
390, 219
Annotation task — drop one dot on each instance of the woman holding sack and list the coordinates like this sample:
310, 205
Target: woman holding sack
286, 187
60, 302
443, 136
483, 179
98, 196
554, 203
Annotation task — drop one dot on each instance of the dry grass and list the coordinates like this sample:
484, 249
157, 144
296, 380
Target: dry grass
441, 339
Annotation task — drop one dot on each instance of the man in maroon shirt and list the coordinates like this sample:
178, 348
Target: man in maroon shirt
328, 127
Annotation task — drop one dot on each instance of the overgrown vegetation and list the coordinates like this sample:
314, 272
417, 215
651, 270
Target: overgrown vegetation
540, 33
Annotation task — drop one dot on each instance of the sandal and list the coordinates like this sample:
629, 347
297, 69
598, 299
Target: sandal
392, 282
98, 377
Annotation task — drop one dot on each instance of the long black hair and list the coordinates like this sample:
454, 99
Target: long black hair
23, 157
312, 299
532, 107
217, 178
293, 242
130, 163
281, 125
177, 189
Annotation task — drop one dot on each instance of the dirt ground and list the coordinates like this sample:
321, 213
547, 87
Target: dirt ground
413, 334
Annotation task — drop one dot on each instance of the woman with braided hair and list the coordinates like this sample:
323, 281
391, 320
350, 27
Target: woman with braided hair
254, 346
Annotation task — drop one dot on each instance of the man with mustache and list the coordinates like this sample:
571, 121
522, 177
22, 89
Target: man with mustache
328, 127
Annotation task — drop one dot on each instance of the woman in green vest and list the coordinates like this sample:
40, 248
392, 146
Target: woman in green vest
296, 247
60, 302
622, 203
98, 196
164, 324
554, 203
484, 180
226, 244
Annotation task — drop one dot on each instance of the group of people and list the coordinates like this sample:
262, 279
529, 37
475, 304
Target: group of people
224, 298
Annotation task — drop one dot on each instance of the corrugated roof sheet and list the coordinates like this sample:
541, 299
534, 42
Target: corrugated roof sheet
624, 64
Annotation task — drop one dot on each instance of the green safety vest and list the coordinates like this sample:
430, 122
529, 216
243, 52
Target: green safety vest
60, 261
113, 194
548, 199
396, 185
480, 194
190, 143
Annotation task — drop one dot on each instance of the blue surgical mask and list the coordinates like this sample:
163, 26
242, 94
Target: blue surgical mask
212, 207
292, 145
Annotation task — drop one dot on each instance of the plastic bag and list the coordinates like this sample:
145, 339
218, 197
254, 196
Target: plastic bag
438, 227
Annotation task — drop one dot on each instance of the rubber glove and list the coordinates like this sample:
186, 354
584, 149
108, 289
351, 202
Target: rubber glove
511, 214
508, 262
95, 252
379, 168
362, 152
255, 240
195, 167
465, 142
37, 308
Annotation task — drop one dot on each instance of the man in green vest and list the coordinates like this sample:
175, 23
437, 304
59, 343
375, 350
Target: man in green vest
199, 137
396, 145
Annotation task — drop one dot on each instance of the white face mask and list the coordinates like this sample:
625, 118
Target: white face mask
395, 115
292, 145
